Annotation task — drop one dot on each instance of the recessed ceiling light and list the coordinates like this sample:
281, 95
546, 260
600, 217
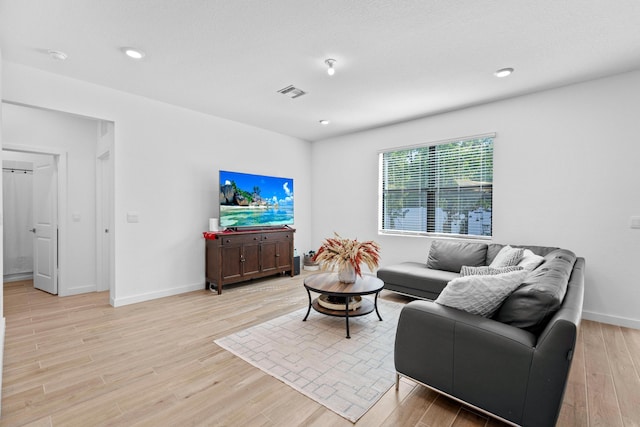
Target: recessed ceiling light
503, 72
324, 122
133, 53
57, 55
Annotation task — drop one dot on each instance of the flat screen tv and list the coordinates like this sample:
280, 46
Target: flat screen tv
254, 201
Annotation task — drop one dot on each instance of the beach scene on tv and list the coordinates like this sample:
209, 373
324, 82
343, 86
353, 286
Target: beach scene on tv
248, 200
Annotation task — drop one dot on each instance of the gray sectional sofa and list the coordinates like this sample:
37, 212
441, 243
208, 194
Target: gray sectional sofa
512, 364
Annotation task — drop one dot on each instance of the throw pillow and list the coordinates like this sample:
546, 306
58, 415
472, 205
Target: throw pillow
451, 256
507, 257
530, 261
480, 295
467, 270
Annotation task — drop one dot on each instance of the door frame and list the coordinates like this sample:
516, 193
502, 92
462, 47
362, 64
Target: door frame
61, 160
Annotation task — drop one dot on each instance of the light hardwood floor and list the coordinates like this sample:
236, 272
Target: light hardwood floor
78, 361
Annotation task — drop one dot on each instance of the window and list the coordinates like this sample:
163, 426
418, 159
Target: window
443, 188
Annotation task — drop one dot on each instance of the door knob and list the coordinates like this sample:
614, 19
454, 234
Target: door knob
33, 230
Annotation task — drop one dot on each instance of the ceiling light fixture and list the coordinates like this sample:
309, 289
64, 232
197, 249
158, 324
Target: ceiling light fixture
133, 53
324, 122
331, 71
57, 55
503, 72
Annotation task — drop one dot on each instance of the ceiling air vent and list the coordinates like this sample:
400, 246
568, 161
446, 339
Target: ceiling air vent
292, 92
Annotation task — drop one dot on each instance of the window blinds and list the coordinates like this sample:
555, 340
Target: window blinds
443, 187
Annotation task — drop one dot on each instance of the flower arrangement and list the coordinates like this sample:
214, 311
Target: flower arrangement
342, 252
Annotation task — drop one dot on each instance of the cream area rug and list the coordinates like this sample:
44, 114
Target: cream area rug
348, 376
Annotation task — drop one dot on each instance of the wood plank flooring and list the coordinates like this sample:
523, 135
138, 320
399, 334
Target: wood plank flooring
76, 361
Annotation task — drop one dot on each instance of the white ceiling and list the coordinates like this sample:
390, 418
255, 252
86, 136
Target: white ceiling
396, 59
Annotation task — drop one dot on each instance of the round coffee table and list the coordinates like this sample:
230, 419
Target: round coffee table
328, 284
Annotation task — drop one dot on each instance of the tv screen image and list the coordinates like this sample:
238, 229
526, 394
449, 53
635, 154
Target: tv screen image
248, 200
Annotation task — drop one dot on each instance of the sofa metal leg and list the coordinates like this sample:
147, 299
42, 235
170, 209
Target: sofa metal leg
397, 381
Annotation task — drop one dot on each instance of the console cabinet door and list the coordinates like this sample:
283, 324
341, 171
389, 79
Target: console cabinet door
285, 254
250, 259
231, 261
269, 256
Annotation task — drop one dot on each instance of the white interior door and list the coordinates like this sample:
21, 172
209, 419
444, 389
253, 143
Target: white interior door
45, 245
104, 223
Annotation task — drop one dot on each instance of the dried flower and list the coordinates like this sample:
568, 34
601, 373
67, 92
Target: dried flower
339, 252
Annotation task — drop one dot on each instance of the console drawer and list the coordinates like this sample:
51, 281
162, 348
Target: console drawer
277, 236
240, 239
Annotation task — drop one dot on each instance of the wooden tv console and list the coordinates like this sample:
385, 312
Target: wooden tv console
238, 256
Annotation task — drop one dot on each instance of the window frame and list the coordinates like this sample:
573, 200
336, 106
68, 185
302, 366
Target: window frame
430, 208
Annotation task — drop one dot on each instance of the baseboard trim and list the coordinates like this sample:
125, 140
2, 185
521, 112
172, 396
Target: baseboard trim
18, 277
119, 302
77, 291
612, 320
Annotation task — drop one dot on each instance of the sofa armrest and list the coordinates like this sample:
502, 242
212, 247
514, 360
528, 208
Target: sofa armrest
479, 360
424, 344
554, 352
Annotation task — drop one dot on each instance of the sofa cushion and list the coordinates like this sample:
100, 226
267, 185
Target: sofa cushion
492, 251
480, 294
507, 257
451, 256
487, 271
531, 306
414, 275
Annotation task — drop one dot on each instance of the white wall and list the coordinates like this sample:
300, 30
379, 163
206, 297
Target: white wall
166, 161
2, 319
77, 136
565, 174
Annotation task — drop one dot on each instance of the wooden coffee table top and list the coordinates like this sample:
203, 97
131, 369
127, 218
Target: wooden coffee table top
328, 283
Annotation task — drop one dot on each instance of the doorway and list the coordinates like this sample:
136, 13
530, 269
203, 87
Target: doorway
17, 191
76, 142
30, 205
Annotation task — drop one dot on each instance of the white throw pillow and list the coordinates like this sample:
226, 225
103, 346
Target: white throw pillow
530, 261
480, 294
507, 257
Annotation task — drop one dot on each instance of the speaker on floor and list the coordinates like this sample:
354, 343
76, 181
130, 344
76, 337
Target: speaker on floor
296, 265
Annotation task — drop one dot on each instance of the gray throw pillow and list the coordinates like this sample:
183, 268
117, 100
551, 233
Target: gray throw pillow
451, 256
467, 270
480, 295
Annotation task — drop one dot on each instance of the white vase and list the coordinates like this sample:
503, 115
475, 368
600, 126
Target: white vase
347, 274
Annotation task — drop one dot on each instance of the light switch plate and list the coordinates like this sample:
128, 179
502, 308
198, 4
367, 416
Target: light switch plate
635, 222
133, 216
